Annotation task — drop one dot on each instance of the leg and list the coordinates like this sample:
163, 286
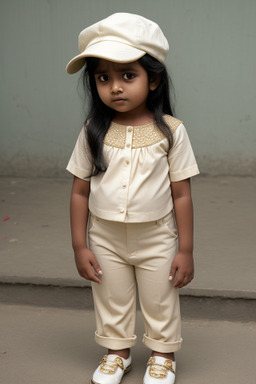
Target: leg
115, 306
158, 299
115, 297
114, 301
125, 353
160, 308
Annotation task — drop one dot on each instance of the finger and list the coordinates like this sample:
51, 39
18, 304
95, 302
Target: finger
182, 281
88, 273
97, 268
172, 272
92, 277
187, 280
178, 283
95, 279
98, 272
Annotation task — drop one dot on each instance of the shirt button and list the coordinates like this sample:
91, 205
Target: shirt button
124, 185
127, 162
129, 129
121, 210
128, 145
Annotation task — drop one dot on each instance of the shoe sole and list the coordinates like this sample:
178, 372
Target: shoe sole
128, 368
125, 371
173, 382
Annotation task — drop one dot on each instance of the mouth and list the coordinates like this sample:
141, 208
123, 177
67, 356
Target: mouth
119, 100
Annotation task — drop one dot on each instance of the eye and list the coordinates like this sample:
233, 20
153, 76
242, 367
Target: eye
103, 78
128, 76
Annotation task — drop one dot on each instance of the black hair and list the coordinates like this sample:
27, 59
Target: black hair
100, 116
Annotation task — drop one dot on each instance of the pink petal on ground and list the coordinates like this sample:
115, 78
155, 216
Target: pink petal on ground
6, 218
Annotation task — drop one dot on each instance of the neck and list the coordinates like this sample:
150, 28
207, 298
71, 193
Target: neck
123, 119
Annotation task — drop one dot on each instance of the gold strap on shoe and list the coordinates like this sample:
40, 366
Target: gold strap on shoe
119, 362
110, 367
159, 371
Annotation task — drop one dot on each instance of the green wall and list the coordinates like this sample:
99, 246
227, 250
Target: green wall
212, 61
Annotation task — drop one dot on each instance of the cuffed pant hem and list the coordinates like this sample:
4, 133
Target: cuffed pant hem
115, 343
160, 346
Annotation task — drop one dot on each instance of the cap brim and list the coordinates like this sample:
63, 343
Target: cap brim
108, 50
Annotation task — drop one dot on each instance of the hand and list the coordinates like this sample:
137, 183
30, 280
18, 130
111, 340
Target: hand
87, 265
182, 269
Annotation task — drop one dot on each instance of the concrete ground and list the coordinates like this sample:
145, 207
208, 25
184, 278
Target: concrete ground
56, 346
49, 339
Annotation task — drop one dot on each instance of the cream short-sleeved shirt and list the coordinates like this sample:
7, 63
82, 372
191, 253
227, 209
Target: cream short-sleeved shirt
140, 169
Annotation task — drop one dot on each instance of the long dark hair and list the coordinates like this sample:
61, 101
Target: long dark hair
100, 116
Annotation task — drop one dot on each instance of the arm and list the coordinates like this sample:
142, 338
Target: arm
182, 269
86, 262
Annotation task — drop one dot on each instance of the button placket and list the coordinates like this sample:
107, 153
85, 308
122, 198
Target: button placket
126, 175
129, 134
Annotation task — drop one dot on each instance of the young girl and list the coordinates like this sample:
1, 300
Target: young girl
132, 165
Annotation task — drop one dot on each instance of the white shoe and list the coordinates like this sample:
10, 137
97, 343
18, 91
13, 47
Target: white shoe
111, 369
160, 371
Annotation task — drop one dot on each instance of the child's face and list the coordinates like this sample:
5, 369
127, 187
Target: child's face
123, 87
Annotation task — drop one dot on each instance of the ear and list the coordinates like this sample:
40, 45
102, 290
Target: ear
154, 82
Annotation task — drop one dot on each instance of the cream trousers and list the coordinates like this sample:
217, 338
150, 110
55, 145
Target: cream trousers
135, 256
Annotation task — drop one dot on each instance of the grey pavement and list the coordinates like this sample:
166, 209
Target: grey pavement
56, 346
49, 339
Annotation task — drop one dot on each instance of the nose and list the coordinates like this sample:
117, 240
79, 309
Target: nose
116, 88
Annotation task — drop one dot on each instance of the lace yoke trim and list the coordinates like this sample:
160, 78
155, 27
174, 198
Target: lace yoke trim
143, 136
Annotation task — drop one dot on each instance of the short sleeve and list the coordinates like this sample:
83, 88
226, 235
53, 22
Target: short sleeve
181, 159
80, 163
